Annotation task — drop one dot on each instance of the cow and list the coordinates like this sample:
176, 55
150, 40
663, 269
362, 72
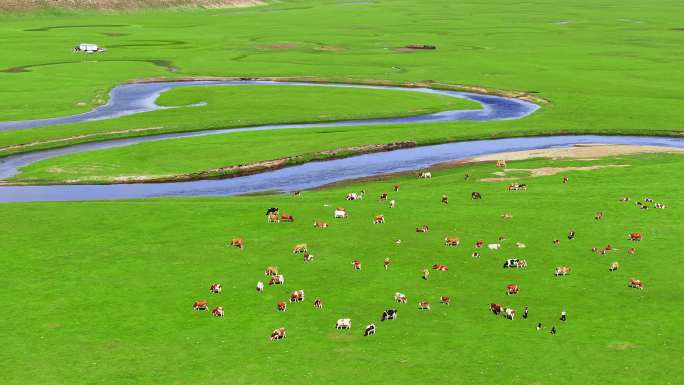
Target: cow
512, 289
425, 175
397, 242
423, 305
565, 179
300, 248
624, 199
440, 267
614, 266
201, 304
445, 199
272, 210
475, 254
500, 163
308, 257
215, 288
494, 246
514, 262
631, 250
556, 241
281, 306
386, 263
297, 194
475, 195
426, 274
340, 212
237, 242
509, 313
277, 280
466, 177
396, 187
353, 196
599, 215
571, 234
388, 315
286, 218
452, 241
320, 225
297, 296
356, 264
400, 297
636, 283
278, 334
217, 311
392, 204
378, 219
318, 304
423, 229
445, 300
271, 270
648, 200
562, 271
260, 286
507, 216
343, 323
383, 197
369, 331
660, 205
495, 308
522, 263
635, 237
273, 218
520, 245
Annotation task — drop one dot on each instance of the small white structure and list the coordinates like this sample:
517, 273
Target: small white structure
88, 48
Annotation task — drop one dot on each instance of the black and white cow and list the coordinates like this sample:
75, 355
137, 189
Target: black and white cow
389, 314
370, 330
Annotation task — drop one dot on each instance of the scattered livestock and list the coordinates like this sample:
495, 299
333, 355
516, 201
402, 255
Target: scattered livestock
281, 306
517, 186
562, 271
475, 195
200, 304
378, 219
556, 241
343, 323
625, 199
386, 263
507, 216
273, 218
354, 196
599, 215
271, 270
425, 175
614, 266
479, 243
636, 283
426, 274
565, 179
383, 197
423, 229
571, 234
564, 316
400, 297
514, 262
340, 212
318, 304
495, 308
320, 225
520, 245
88, 48
494, 246
392, 204
356, 264
277, 280
423, 305
500, 163
215, 288
297, 296
445, 300
286, 218
452, 241
300, 248
445, 199
440, 267
272, 210
260, 286
278, 334
631, 250
509, 313
388, 315
397, 242
237, 242
217, 311
369, 331
396, 187
512, 289
308, 257
635, 237
475, 254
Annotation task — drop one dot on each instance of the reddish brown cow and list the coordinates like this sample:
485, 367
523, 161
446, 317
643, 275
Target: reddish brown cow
286, 218
479, 243
636, 283
635, 237
424, 305
237, 242
445, 199
512, 289
495, 308
396, 187
452, 241
217, 311
631, 250
356, 264
278, 334
475, 195
378, 219
422, 229
282, 306
445, 300
201, 304
440, 267
297, 296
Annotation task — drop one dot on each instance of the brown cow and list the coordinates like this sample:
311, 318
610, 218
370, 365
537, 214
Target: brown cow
396, 187
479, 243
378, 219
475, 195
452, 241
424, 305
631, 250
282, 306
599, 215
320, 225
562, 271
297, 296
386, 263
440, 267
565, 179
635, 237
277, 280
512, 289
445, 199
356, 264
507, 216
278, 334
318, 304
201, 304
300, 248
287, 218
422, 229
495, 308
445, 300
271, 270
273, 218
556, 241
217, 311
308, 257
636, 283
237, 242
383, 197
500, 163
614, 266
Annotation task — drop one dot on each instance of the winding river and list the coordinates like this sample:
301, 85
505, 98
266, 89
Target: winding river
136, 98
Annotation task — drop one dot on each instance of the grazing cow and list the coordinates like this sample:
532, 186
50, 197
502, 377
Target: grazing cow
636, 283
522, 263
556, 241
297, 296
201, 304
237, 242
320, 225
512, 289
260, 286
297, 194
520, 245
318, 304
340, 212
423, 305
282, 306
625, 199
425, 175
287, 218
514, 262
278, 334
660, 205
631, 250
273, 218
271, 270
300, 248
475, 255
383, 197
500, 163
378, 219
445, 300
392, 204
215, 288
389, 314
426, 274
452, 241
277, 280
217, 311
507, 216
397, 242
509, 313
308, 257
614, 266
495, 308
599, 215
272, 210
494, 246
343, 323
422, 229
648, 200
369, 331
565, 179
353, 196
466, 177
635, 237
562, 271
571, 234
400, 297
445, 199
440, 267
396, 187
356, 264
475, 195
386, 263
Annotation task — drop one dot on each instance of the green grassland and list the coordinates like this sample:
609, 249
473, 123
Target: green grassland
101, 292
625, 82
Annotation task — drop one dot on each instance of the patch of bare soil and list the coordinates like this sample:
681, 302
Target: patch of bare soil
578, 151
332, 48
545, 171
415, 47
20, 5
278, 46
622, 346
496, 179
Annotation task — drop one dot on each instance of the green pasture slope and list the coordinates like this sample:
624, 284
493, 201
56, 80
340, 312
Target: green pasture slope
608, 67
101, 292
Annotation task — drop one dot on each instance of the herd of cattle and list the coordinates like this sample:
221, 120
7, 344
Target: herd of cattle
275, 278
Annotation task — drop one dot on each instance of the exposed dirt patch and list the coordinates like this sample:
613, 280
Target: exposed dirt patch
27, 68
545, 171
332, 48
622, 345
278, 46
416, 47
23, 5
579, 151
497, 179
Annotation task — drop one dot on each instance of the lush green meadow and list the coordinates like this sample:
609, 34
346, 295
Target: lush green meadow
101, 292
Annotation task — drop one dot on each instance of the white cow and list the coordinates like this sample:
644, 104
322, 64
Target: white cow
520, 245
393, 204
509, 313
260, 286
494, 246
343, 323
400, 297
340, 213
425, 175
